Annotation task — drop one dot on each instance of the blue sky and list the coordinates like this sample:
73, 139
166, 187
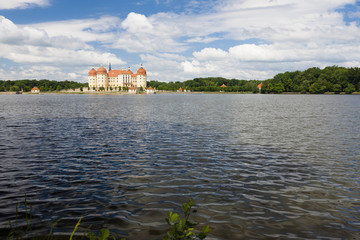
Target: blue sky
176, 40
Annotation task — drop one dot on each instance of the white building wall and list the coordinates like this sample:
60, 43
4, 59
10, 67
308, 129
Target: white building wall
141, 79
102, 80
92, 82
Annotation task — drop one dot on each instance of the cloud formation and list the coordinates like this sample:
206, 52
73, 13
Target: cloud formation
232, 38
35, 46
22, 4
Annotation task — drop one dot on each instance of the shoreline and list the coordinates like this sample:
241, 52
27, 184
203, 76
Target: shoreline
169, 92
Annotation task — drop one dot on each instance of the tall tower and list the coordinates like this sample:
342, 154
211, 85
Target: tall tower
102, 77
141, 77
92, 78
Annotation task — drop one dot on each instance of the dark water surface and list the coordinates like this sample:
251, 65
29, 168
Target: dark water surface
256, 166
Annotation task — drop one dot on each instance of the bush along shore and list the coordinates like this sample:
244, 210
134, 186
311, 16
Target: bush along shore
314, 80
24, 227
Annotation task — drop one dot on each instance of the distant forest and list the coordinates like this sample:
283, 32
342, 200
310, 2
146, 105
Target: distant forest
43, 85
313, 80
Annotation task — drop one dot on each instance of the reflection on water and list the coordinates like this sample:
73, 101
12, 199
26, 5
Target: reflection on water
256, 166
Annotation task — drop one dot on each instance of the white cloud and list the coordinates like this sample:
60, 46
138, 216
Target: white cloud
56, 56
231, 38
164, 66
22, 4
250, 61
252, 52
85, 30
43, 72
137, 23
17, 35
31, 46
141, 34
202, 39
211, 53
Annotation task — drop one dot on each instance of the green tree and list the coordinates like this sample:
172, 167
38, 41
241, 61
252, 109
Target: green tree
350, 88
269, 87
337, 88
278, 87
317, 87
14, 88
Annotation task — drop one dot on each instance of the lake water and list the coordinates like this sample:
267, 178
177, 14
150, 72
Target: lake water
256, 166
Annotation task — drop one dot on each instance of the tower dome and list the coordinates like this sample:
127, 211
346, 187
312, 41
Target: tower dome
141, 71
101, 70
92, 72
129, 71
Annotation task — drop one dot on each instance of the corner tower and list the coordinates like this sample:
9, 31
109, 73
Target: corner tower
92, 78
141, 77
102, 77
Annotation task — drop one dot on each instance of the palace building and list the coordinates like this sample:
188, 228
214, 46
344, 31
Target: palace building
116, 78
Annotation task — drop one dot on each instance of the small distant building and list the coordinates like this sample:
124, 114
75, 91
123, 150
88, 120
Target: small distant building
35, 90
222, 87
259, 87
132, 90
179, 90
150, 90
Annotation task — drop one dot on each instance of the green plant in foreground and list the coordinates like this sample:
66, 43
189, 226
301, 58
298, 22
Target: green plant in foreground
22, 228
103, 235
182, 229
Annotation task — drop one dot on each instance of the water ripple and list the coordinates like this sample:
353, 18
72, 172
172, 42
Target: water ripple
256, 166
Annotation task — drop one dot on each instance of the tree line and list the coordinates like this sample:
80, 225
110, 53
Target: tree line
210, 84
313, 80
44, 85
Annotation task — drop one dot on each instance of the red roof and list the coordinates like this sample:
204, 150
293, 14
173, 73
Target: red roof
92, 72
101, 70
35, 88
116, 73
260, 85
132, 88
150, 88
141, 71
223, 85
